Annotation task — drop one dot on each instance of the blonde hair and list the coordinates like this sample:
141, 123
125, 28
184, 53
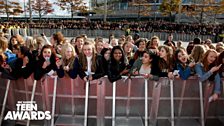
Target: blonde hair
70, 61
82, 57
30, 43
197, 53
3, 43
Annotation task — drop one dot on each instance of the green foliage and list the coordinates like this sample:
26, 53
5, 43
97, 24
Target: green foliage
169, 7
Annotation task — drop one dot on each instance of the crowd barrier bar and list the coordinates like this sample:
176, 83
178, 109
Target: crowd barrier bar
113, 104
32, 97
155, 103
156, 93
26, 89
54, 100
208, 93
86, 102
181, 101
4, 101
201, 104
146, 102
172, 103
104, 33
73, 105
44, 98
129, 95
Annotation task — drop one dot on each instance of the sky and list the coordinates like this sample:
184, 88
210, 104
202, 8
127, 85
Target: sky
57, 10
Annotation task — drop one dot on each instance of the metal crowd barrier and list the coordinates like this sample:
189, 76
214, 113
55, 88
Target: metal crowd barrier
126, 102
105, 33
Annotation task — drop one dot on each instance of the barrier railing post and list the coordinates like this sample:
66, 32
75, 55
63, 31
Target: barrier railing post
113, 104
201, 104
4, 101
155, 103
72, 93
146, 102
44, 99
172, 102
181, 100
208, 92
128, 100
101, 102
32, 97
54, 100
26, 89
86, 102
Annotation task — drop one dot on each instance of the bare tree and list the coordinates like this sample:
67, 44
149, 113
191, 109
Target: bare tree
10, 7
42, 7
72, 6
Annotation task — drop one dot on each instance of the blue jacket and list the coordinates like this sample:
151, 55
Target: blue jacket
204, 75
184, 72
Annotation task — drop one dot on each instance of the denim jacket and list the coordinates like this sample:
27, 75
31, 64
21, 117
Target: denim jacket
203, 76
184, 72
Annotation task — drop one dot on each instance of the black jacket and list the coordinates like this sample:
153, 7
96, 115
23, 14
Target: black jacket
73, 72
39, 72
114, 70
98, 73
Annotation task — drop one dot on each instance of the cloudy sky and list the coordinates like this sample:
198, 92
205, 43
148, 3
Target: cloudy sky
57, 10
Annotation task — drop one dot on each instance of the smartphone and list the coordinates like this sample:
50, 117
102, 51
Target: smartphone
175, 72
47, 59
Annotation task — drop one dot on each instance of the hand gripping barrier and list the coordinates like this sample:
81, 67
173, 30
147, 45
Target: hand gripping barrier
133, 101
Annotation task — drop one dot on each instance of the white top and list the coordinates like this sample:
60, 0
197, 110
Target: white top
144, 71
89, 64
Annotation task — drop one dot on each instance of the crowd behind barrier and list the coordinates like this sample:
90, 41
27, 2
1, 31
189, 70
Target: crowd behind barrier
145, 26
129, 55
125, 101
105, 33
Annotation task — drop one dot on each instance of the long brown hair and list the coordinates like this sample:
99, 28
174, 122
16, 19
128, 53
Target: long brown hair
197, 53
204, 60
82, 57
169, 62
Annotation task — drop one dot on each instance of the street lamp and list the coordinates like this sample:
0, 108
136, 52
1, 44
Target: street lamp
24, 9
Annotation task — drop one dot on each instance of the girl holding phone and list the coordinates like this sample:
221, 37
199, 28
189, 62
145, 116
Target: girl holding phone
46, 62
208, 70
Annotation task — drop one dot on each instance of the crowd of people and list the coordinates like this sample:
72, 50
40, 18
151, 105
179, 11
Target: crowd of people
144, 26
92, 59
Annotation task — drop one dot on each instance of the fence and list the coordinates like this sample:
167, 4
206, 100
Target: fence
106, 33
131, 102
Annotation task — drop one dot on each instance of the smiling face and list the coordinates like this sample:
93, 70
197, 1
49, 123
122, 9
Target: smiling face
79, 43
182, 57
211, 57
117, 54
146, 59
46, 53
142, 46
68, 53
99, 47
127, 48
88, 50
155, 42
